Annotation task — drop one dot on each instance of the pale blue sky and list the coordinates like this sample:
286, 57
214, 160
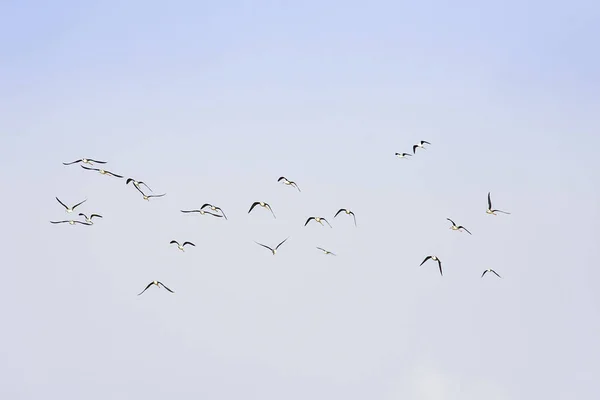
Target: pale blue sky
212, 103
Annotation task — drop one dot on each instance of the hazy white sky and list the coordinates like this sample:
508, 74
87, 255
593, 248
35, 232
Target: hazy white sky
212, 103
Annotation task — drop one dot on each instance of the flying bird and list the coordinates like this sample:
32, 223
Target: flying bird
158, 284
180, 246
85, 161
89, 220
214, 208
71, 222
137, 184
403, 155
317, 219
489, 209
70, 209
421, 144
263, 205
325, 251
348, 212
455, 227
202, 212
288, 182
102, 171
148, 196
276, 247
490, 270
434, 258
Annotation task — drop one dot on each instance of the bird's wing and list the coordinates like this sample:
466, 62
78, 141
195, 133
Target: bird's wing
322, 249
81, 202
91, 169
139, 190
57, 222
424, 142
73, 162
353, 216
282, 178
500, 211
190, 243
308, 220
205, 205
150, 284
453, 224
466, 230
296, 186
415, 148
265, 246
496, 274
489, 201
220, 209
189, 211
96, 161
95, 215
281, 243
213, 214
484, 272
63, 204
82, 223
113, 174
157, 195
163, 285
174, 241
83, 215
426, 258
148, 187
252, 206
327, 222
440, 266
129, 180
270, 209
339, 211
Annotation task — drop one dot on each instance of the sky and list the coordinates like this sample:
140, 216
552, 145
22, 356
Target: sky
211, 102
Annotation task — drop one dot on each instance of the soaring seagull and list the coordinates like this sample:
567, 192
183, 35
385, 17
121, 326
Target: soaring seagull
276, 247
489, 209
421, 144
202, 212
102, 171
148, 196
403, 155
348, 212
69, 209
158, 284
317, 219
89, 220
263, 205
85, 161
71, 222
490, 270
214, 208
434, 258
137, 184
325, 251
180, 246
288, 182
455, 227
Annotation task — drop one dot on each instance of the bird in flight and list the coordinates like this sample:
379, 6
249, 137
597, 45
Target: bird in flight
148, 196
317, 219
180, 246
137, 184
421, 145
202, 212
70, 209
158, 284
489, 209
288, 182
71, 222
263, 205
89, 220
403, 155
85, 161
490, 270
276, 247
102, 171
454, 227
434, 258
348, 212
325, 251
214, 208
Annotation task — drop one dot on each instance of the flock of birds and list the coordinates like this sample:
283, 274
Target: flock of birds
215, 211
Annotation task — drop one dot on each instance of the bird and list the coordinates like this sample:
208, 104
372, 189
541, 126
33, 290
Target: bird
71, 222
348, 212
317, 219
202, 212
158, 284
89, 220
434, 258
454, 227
102, 171
214, 208
325, 251
180, 246
276, 247
137, 184
490, 270
421, 144
70, 209
262, 204
403, 155
288, 182
85, 161
489, 209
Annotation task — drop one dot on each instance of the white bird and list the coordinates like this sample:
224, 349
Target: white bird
263, 205
85, 161
214, 208
89, 220
71, 222
403, 155
101, 171
421, 145
489, 209
202, 212
455, 227
490, 270
348, 212
158, 284
180, 246
317, 219
434, 258
70, 209
272, 250
288, 182
325, 251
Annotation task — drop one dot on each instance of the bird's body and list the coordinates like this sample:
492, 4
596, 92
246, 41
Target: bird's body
88, 161
348, 212
71, 222
403, 155
102, 171
455, 227
490, 210
490, 270
276, 247
263, 205
157, 284
89, 220
317, 219
434, 258
326, 252
420, 145
69, 209
180, 246
286, 181
214, 208
137, 184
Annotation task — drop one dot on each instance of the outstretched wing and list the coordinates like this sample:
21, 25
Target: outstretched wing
500, 211
339, 211
81, 202
150, 284
281, 243
73, 162
222, 212
163, 285
453, 224
190, 211
296, 186
489, 201
440, 266
63, 204
496, 274
282, 178
174, 241
308, 220
95, 215
484, 272
424, 142
113, 174
57, 222
129, 180
89, 168
265, 246
156, 195
270, 209
353, 216
96, 161
252, 206
205, 205
323, 219
415, 148
466, 230
148, 187
190, 243
426, 258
